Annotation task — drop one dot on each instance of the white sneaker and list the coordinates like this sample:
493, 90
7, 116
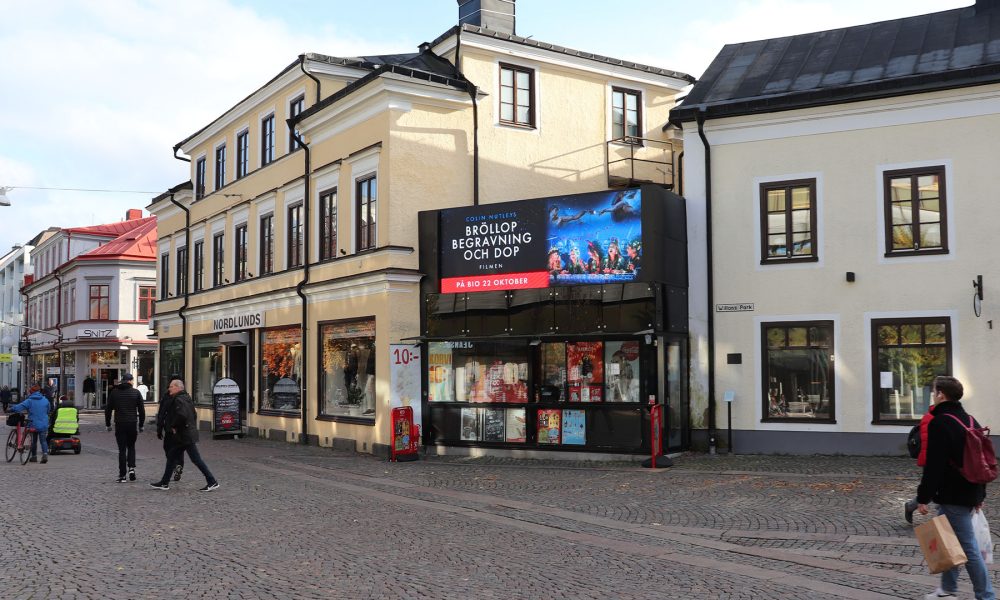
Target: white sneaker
939, 593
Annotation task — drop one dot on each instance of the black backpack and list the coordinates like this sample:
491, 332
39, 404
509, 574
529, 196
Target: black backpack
913, 442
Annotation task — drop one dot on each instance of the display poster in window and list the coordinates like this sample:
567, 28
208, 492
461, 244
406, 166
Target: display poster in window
622, 371
440, 386
549, 426
592, 238
516, 428
493, 424
226, 407
470, 425
553, 372
404, 378
574, 427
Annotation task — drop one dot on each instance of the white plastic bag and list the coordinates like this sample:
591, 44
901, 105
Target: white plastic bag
983, 538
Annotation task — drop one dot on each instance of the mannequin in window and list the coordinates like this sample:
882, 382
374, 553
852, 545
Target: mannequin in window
369, 398
351, 371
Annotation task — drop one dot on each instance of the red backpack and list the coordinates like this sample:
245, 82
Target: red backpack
979, 460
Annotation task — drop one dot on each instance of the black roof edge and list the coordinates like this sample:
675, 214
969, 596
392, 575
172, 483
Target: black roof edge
916, 84
459, 83
184, 185
563, 50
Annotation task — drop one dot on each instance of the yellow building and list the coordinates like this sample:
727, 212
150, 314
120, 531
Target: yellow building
290, 262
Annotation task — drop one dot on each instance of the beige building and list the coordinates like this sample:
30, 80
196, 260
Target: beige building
844, 178
290, 262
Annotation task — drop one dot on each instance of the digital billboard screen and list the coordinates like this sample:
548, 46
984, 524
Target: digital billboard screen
563, 240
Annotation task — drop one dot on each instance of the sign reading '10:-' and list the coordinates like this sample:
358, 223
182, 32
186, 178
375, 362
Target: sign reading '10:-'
581, 239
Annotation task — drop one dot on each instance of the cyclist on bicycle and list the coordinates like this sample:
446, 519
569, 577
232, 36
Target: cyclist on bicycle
37, 406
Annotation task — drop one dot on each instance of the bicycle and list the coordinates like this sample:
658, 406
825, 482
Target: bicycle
20, 439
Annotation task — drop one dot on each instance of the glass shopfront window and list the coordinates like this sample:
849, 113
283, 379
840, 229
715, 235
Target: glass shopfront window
798, 371
347, 379
908, 355
207, 368
281, 369
171, 362
69, 367
490, 372
145, 374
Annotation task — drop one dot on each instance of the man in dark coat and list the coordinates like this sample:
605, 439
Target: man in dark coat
183, 425
942, 482
130, 414
164, 415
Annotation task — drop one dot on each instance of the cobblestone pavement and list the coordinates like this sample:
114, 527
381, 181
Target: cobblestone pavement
304, 522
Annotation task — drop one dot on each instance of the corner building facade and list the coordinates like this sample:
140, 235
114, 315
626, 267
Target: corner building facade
291, 261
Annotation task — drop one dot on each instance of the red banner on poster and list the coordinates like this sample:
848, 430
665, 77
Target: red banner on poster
486, 283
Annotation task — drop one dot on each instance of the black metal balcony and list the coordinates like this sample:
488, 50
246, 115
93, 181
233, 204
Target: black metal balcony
633, 161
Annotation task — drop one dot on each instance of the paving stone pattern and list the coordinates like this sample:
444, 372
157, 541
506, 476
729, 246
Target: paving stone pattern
305, 522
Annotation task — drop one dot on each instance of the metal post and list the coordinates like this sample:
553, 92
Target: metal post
729, 412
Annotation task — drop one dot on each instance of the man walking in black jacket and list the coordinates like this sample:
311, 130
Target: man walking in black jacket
183, 424
126, 404
957, 498
164, 415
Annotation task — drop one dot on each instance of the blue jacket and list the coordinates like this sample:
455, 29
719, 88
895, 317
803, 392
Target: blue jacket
37, 406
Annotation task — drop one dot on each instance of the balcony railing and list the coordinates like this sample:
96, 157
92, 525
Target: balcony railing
634, 160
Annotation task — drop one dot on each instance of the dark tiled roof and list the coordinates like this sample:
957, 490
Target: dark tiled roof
940, 50
562, 50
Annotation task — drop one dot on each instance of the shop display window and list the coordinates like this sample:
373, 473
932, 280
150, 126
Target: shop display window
281, 369
798, 370
491, 372
171, 361
347, 356
585, 371
622, 371
553, 385
207, 368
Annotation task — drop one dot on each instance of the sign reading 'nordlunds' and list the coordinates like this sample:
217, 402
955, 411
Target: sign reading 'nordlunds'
244, 320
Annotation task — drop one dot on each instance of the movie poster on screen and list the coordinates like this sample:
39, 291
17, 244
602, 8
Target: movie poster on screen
516, 428
549, 426
471, 426
574, 426
590, 238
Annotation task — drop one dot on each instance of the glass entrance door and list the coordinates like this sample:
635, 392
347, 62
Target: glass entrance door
676, 389
238, 372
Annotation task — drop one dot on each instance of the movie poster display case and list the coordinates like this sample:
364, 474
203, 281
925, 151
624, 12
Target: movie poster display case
545, 322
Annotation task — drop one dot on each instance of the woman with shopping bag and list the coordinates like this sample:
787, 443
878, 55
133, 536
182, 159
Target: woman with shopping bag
943, 482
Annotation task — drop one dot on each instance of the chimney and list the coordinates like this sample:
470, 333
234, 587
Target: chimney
133, 214
496, 15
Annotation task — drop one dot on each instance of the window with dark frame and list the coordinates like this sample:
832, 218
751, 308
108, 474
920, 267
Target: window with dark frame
626, 114
295, 109
220, 167
266, 244
240, 256
242, 154
788, 219
218, 259
182, 271
295, 236
366, 211
147, 302
267, 140
199, 178
907, 354
328, 224
199, 265
915, 212
798, 371
517, 95
164, 276
100, 302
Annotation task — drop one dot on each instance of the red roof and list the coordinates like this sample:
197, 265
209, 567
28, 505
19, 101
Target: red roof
137, 241
109, 229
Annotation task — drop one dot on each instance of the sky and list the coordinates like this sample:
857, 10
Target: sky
94, 94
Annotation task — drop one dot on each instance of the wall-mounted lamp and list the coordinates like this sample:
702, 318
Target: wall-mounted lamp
226, 280
343, 252
249, 274
977, 295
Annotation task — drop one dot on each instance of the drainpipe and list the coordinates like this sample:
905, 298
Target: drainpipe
680, 174
473, 93
299, 289
187, 248
302, 65
710, 287
58, 344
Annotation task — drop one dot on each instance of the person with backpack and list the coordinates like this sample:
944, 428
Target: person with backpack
163, 414
960, 461
182, 422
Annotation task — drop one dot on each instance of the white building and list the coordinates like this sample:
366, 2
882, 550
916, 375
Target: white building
839, 186
89, 306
